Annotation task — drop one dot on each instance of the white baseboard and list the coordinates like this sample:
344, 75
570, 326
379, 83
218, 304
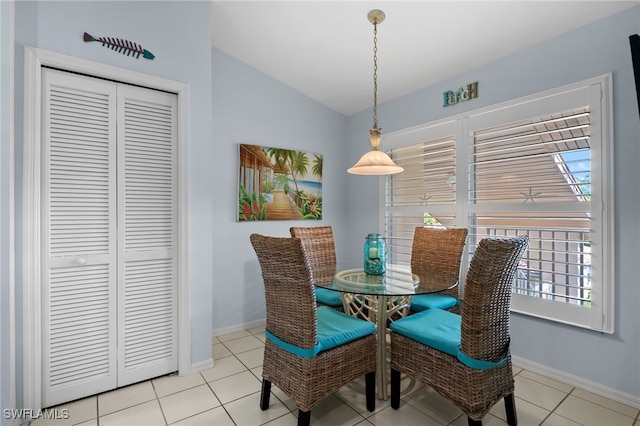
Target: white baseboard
581, 382
201, 365
239, 327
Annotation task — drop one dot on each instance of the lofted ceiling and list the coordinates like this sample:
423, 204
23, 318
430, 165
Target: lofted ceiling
324, 49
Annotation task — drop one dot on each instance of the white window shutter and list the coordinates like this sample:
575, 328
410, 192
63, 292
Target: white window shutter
425, 193
79, 251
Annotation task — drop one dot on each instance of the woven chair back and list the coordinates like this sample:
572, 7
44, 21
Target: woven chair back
288, 290
438, 249
318, 244
487, 297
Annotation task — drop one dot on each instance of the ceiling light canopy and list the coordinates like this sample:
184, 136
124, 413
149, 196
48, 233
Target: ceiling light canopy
375, 162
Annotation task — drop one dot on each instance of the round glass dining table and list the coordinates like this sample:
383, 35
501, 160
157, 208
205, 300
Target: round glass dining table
381, 299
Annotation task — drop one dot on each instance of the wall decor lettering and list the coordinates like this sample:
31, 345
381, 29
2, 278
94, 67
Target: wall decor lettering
462, 94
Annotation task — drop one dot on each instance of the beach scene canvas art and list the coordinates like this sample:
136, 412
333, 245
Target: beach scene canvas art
279, 184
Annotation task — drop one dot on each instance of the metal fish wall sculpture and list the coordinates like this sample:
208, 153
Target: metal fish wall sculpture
125, 47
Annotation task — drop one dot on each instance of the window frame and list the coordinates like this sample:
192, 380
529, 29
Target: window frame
598, 92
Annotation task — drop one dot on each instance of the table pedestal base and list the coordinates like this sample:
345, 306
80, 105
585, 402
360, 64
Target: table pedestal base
381, 310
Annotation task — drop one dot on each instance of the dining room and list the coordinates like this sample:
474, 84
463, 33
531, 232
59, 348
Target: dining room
357, 209
592, 346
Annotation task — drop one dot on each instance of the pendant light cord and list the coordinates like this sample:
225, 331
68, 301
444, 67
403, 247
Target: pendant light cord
375, 75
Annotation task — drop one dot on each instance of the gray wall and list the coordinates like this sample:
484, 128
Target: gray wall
599, 48
250, 107
177, 33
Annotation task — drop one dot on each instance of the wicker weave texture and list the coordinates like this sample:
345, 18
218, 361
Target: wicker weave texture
291, 316
485, 334
319, 246
437, 249
472, 391
487, 297
289, 295
319, 241
308, 381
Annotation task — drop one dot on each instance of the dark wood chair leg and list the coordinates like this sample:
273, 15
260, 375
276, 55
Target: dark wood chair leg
472, 422
370, 390
265, 395
304, 418
510, 405
395, 389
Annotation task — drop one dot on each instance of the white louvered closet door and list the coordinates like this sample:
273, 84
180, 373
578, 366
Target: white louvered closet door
78, 236
147, 290
109, 231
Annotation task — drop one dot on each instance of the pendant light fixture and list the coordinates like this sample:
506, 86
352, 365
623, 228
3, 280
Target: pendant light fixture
375, 162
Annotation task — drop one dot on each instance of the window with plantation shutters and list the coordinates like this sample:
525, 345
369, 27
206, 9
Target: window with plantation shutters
424, 194
544, 162
539, 166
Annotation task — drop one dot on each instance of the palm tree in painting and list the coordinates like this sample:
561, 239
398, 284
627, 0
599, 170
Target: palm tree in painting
316, 169
297, 162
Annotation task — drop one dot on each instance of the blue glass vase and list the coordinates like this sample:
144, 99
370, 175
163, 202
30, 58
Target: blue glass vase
375, 255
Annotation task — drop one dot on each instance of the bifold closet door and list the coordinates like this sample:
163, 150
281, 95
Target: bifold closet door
78, 226
147, 285
109, 234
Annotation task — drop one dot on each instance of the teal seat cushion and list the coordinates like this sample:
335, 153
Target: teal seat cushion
433, 327
440, 329
422, 302
335, 328
328, 297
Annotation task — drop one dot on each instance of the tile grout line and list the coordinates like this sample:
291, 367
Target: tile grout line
221, 404
155, 392
97, 411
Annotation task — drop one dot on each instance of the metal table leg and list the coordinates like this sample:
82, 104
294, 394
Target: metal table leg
381, 361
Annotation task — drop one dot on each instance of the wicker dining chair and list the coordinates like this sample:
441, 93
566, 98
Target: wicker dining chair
437, 249
466, 357
318, 243
310, 352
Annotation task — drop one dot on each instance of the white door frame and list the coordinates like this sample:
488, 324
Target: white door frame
35, 59
7, 180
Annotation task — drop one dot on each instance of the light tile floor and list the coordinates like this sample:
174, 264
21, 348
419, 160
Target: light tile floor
229, 394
